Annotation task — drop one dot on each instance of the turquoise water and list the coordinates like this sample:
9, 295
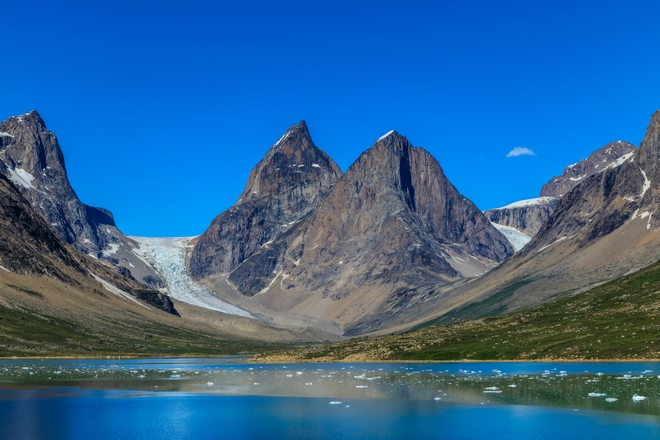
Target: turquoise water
223, 399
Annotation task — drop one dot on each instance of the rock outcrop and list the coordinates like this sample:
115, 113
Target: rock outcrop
609, 156
391, 224
32, 159
285, 186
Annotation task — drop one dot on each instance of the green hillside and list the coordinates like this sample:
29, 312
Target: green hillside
617, 320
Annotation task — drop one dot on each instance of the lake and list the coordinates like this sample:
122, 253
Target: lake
226, 398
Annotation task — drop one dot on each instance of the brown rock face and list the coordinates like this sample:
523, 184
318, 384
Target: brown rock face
527, 216
31, 158
285, 186
392, 220
608, 156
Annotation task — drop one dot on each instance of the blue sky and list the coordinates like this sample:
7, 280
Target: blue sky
163, 108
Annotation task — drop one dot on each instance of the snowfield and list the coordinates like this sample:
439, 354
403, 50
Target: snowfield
168, 257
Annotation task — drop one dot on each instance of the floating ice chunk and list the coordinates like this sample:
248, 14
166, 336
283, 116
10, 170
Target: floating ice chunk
437, 398
597, 394
334, 402
611, 399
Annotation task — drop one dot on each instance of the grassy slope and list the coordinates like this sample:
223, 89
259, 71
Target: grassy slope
25, 332
618, 320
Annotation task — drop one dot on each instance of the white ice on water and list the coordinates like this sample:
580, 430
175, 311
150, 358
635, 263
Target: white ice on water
168, 257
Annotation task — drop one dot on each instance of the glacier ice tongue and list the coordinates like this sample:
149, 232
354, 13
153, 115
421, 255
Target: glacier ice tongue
168, 257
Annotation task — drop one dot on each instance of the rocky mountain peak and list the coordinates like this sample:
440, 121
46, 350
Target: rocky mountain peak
393, 223
610, 156
293, 159
285, 186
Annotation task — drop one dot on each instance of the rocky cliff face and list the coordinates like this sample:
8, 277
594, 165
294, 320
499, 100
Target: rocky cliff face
527, 216
31, 158
29, 247
609, 156
392, 222
285, 186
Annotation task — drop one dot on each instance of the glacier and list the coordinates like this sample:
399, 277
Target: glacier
517, 239
168, 257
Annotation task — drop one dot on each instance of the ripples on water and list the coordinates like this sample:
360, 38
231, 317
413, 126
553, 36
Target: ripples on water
610, 388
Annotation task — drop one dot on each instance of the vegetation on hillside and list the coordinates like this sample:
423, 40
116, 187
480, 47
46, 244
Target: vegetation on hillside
26, 333
617, 320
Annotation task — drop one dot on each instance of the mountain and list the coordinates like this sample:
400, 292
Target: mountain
55, 301
603, 228
521, 220
390, 229
609, 156
29, 247
31, 157
285, 186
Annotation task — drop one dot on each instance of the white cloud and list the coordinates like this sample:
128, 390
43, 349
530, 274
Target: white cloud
520, 151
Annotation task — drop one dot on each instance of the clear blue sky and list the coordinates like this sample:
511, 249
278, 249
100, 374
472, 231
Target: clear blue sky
163, 108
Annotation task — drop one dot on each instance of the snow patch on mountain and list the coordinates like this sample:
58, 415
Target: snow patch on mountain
517, 239
168, 257
385, 135
21, 177
528, 202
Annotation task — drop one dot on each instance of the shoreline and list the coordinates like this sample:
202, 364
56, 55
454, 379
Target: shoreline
266, 360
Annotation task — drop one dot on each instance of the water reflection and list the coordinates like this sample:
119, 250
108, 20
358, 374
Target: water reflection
619, 387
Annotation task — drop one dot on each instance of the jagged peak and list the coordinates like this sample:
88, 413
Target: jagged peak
300, 129
31, 117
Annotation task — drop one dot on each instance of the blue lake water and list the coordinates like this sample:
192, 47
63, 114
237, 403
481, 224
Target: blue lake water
224, 399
